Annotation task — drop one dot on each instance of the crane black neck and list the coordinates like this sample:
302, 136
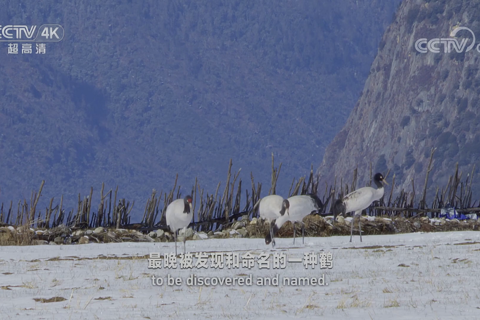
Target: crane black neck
378, 183
186, 203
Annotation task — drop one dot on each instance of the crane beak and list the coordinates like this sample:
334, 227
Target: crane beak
385, 182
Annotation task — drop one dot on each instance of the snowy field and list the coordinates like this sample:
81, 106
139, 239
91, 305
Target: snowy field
404, 276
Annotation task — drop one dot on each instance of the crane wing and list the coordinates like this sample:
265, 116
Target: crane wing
359, 199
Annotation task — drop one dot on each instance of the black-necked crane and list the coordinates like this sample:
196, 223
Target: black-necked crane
179, 215
359, 200
273, 207
300, 207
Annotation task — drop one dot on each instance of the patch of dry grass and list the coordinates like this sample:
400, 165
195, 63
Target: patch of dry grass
392, 303
53, 299
22, 236
100, 257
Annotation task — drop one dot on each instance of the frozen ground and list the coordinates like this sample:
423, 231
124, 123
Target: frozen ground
405, 276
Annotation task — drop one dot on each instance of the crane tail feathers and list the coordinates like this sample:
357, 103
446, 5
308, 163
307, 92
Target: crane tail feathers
338, 208
316, 200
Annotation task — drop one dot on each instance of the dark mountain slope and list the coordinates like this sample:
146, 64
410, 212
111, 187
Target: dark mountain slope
137, 92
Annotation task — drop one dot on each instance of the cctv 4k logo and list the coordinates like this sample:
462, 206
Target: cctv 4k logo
25, 33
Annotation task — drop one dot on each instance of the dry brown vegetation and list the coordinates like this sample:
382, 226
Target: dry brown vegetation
222, 208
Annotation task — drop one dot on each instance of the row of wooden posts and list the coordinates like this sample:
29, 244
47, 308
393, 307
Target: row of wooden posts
216, 209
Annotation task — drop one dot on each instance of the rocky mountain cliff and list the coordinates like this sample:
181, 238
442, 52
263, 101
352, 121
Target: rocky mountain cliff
414, 101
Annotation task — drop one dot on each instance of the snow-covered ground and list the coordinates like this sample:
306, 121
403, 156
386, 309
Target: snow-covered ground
404, 276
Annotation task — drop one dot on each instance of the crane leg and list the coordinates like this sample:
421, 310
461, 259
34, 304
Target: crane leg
293, 232
176, 242
303, 233
360, 227
271, 235
351, 228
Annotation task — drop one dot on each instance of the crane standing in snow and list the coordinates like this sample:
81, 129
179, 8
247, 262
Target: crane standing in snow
359, 200
273, 207
299, 207
179, 215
